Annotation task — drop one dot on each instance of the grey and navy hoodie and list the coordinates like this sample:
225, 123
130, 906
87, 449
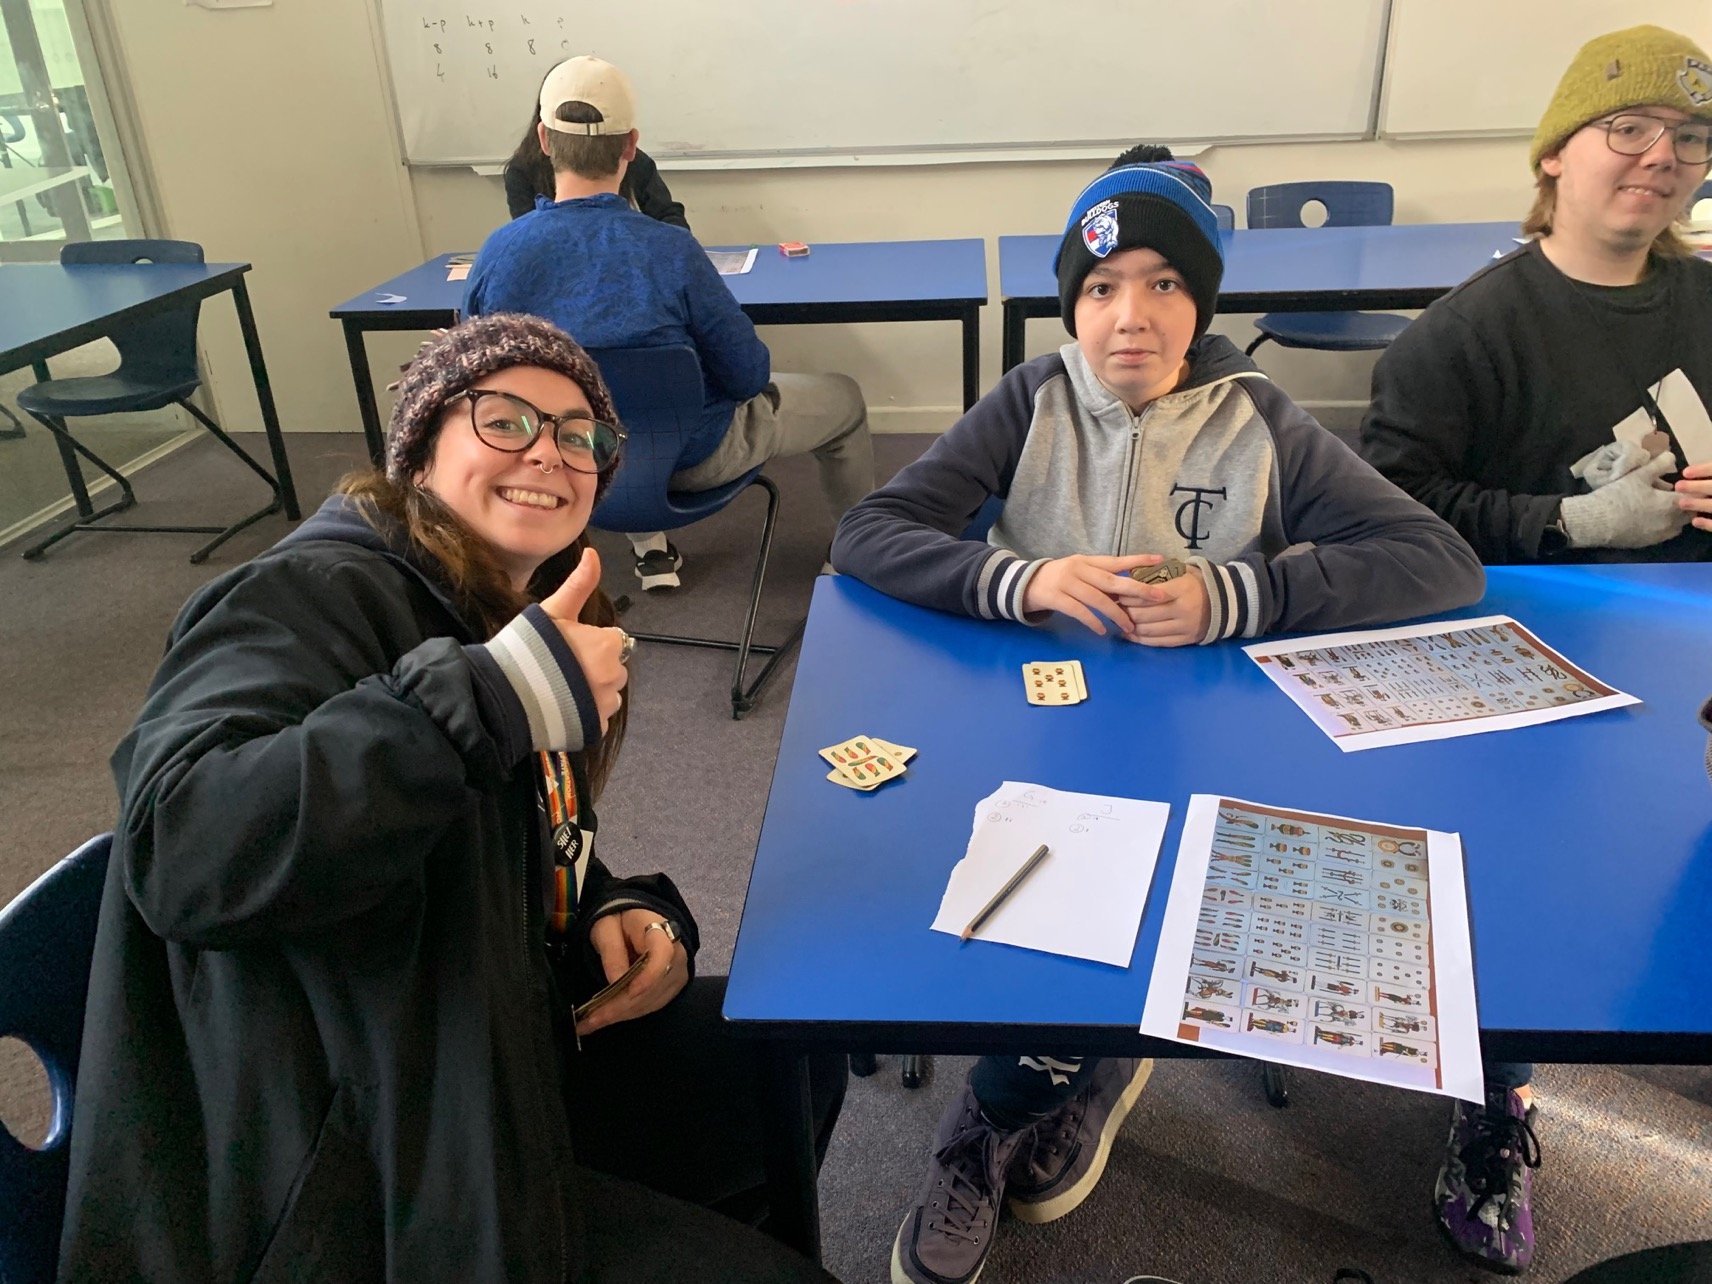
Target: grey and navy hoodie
1286, 525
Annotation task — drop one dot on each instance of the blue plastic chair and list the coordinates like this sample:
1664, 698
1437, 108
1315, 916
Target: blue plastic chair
1226, 217
47, 938
157, 368
1347, 205
658, 394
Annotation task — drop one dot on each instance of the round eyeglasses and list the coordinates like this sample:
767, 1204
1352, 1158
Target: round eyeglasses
511, 424
1633, 134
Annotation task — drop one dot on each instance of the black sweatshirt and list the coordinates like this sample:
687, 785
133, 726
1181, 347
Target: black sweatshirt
1481, 406
642, 187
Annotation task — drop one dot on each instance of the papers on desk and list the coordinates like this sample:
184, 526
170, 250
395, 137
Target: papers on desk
732, 262
1085, 899
1319, 941
458, 267
1431, 681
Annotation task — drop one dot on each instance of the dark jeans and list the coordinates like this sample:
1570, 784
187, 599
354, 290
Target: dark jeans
1015, 1091
671, 1102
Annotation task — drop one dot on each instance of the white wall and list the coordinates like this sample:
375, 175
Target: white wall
270, 135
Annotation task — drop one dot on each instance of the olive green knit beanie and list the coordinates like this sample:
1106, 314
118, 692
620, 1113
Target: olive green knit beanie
1636, 67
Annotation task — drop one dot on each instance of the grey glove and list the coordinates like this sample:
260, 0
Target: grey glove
1609, 462
1631, 512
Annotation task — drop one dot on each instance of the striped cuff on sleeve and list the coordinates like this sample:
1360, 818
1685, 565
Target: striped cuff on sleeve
1004, 579
1233, 599
548, 682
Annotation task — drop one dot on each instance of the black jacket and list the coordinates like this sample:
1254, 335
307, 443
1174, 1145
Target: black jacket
642, 186
1483, 403
320, 1040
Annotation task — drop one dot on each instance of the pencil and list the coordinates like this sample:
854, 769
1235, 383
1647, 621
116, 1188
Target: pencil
999, 897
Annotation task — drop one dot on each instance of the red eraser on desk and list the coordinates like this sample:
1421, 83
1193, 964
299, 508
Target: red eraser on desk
793, 249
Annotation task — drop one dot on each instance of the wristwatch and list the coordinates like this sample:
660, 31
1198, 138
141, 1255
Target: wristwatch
667, 926
1554, 536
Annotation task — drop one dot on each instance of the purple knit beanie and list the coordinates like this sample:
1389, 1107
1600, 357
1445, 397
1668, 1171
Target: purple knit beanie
453, 360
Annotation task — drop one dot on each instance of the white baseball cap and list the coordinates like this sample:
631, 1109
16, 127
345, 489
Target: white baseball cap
596, 83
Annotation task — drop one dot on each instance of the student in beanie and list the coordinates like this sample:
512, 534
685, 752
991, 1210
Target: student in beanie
1537, 408
1146, 445
354, 899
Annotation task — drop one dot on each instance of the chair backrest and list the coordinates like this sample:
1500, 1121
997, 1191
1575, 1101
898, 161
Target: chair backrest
658, 393
162, 348
1346, 204
1226, 217
47, 938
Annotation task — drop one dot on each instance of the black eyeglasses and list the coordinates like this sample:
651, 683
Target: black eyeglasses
511, 424
1633, 134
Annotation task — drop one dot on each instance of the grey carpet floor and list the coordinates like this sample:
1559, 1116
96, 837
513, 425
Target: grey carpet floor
1207, 1183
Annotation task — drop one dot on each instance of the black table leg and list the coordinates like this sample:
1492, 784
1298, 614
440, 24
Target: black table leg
971, 356
67, 456
788, 1145
264, 395
358, 355
1012, 339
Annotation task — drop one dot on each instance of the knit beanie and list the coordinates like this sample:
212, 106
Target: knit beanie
1636, 67
451, 361
1164, 206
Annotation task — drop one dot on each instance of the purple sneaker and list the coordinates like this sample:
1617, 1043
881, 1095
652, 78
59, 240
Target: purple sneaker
947, 1235
1484, 1200
1064, 1157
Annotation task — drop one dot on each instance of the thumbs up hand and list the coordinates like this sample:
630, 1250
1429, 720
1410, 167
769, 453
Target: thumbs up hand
599, 651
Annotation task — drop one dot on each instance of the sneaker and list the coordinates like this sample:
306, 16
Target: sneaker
658, 569
1485, 1193
946, 1236
1060, 1163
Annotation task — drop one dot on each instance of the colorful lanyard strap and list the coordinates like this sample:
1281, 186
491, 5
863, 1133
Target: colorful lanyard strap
559, 794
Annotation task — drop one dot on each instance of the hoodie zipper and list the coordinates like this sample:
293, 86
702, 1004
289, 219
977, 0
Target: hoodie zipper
530, 892
1129, 479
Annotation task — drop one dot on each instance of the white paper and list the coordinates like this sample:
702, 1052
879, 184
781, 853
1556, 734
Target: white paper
1431, 681
732, 262
1320, 955
1085, 899
1683, 410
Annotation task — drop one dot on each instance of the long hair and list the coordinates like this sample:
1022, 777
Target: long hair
530, 161
1667, 244
480, 588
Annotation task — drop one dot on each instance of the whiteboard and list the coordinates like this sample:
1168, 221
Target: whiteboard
782, 78
1464, 68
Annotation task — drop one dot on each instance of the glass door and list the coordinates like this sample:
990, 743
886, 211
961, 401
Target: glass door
57, 163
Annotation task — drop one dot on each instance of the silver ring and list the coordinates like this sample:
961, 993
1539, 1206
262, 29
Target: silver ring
626, 646
663, 925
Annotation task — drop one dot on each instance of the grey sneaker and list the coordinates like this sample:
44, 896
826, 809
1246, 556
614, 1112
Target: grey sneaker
659, 569
946, 1236
1062, 1160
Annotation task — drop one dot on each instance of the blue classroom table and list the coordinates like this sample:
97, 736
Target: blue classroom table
1287, 269
52, 308
856, 281
1588, 841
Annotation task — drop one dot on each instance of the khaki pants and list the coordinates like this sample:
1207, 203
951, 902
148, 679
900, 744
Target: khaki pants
796, 414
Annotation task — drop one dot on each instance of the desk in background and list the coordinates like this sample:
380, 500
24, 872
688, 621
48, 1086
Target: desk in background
858, 281
1588, 842
1286, 269
52, 308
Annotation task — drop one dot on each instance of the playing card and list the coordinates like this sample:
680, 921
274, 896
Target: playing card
1169, 569
863, 762
611, 992
1054, 682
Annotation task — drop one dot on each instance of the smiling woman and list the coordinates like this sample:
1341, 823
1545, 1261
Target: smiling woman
354, 925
